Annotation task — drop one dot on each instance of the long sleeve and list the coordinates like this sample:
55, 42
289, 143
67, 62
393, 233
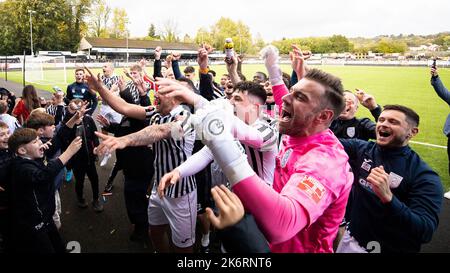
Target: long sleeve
367, 129
279, 91
286, 218
419, 218
376, 112
94, 103
47, 174
259, 137
196, 162
206, 86
294, 78
440, 89
176, 69
157, 69
59, 115
69, 96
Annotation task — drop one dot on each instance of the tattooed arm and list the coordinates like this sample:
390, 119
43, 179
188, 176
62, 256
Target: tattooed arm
144, 137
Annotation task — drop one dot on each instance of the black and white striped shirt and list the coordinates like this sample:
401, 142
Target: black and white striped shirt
109, 82
217, 93
262, 160
134, 92
170, 153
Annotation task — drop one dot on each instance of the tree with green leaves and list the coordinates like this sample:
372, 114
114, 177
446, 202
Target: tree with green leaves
57, 25
99, 19
170, 31
227, 28
119, 24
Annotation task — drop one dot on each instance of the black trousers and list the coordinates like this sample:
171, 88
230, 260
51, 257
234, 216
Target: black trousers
136, 202
79, 172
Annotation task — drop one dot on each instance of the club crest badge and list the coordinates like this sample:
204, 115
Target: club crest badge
394, 180
351, 131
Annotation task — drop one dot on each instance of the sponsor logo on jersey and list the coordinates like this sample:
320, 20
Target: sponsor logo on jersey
366, 165
312, 188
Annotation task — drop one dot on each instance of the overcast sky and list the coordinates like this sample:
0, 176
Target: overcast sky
289, 18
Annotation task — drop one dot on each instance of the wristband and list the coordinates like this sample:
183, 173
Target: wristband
204, 70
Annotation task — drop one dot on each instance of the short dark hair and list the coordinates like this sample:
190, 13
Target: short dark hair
265, 78
79, 69
334, 91
21, 136
39, 120
411, 116
188, 81
252, 88
287, 80
189, 69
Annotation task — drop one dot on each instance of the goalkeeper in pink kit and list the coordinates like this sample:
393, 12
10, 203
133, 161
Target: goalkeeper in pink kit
312, 180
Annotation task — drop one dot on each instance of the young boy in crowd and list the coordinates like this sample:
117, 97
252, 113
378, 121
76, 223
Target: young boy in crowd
11, 121
33, 193
44, 124
5, 159
84, 161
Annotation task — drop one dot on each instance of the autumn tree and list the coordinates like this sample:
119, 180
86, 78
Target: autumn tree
100, 19
119, 24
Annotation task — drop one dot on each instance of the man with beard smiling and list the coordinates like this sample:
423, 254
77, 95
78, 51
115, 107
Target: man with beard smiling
397, 197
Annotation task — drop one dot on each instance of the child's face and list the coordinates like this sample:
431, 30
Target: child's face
4, 136
47, 131
33, 149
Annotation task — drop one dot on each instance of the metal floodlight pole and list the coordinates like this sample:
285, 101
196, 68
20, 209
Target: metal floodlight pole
128, 54
31, 30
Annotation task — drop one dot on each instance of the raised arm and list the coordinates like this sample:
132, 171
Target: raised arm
116, 103
287, 215
176, 65
232, 68
439, 87
270, 56
144, 137
157, 63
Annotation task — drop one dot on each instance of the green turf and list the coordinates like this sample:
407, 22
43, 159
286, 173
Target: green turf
409, 86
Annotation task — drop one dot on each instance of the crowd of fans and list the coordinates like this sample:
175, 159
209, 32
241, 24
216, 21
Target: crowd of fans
276, 163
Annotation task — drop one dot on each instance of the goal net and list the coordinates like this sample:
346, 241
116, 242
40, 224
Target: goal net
46, 70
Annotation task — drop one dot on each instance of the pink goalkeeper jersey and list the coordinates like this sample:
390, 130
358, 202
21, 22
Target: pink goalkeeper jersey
312, 182
314, 171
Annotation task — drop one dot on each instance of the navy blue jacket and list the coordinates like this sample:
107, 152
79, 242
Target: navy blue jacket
444, 94
412, 216
5, 176
81, 91
363, 129
33, 193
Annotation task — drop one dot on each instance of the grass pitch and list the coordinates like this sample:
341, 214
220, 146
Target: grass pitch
409, 86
